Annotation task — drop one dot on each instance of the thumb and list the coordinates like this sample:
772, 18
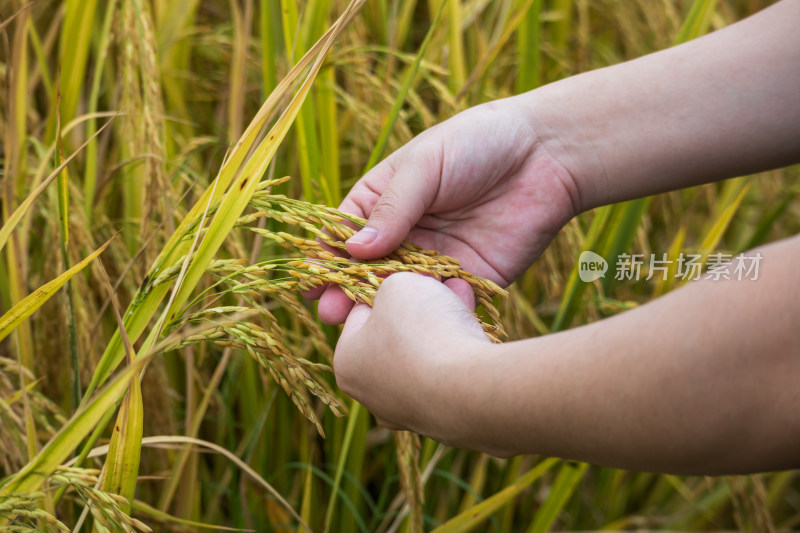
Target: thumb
412, 177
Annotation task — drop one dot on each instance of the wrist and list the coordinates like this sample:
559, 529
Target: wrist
541, 163
565, 138
467, 400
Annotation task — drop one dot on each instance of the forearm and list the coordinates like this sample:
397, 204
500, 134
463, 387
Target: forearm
703, 380
724, 105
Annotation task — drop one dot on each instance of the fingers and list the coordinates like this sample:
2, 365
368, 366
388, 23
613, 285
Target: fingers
425, 302
414, 299
394, 195
334, 305
464, 292
315, 293
407, 182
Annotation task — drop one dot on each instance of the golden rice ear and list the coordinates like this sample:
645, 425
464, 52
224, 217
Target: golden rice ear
276, 281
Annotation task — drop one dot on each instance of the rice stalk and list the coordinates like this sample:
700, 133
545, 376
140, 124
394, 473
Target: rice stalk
145, 181
121, 471
75, 44
410, 478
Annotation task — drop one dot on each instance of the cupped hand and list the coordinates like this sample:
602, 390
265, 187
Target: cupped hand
414, 358
480, 187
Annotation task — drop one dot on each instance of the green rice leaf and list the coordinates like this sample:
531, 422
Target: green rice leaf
697, 22
477, 514
394, 113
560, 492
714, 235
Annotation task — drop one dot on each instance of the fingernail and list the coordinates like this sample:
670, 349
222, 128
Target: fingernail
365, 236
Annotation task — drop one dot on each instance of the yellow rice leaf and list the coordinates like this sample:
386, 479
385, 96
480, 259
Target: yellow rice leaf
122, 464
714, 235
25, 308
124, 453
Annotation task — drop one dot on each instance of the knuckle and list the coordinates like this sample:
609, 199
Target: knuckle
393, 281
394, 289
388, 206
399, 281
391, 211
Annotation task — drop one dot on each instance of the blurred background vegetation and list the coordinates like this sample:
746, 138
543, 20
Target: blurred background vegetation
183, 79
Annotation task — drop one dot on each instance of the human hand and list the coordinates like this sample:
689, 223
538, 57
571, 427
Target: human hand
480, 187
427, 378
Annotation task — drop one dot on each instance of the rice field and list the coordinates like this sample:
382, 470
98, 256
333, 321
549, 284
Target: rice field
169, 170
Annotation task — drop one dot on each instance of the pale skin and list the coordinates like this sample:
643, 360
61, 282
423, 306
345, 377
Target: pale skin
701, 381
